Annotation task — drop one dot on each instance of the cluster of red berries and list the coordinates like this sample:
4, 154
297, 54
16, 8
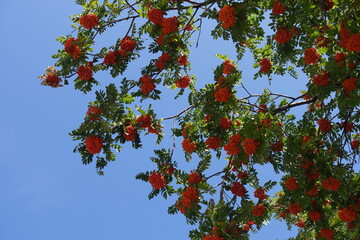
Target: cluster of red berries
72, 48
147, 85
89, 21
227, 16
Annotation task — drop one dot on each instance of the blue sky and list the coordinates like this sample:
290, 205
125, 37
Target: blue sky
45, 191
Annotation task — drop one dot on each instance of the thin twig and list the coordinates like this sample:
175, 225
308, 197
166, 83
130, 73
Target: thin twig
227, 170
189, 22
216, 185
198, 38
245, 89
215, 174
131, 6
131, 24
291, 105
119, 20
177, 115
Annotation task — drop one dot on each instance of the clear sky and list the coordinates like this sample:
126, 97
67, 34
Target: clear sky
45, 191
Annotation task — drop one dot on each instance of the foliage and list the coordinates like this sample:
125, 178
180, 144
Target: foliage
316, 154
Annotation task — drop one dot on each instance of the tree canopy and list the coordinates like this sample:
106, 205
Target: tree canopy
316, 153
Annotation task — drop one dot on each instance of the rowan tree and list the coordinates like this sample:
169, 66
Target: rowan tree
315, 153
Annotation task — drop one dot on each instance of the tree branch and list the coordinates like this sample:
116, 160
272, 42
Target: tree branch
215, 174
131, 6
291, 105
224, 178
175, 116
